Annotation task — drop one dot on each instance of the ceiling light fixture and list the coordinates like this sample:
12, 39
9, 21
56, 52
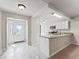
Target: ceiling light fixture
56, 15
21, 6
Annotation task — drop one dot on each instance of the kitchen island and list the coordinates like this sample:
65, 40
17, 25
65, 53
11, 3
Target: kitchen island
52, 44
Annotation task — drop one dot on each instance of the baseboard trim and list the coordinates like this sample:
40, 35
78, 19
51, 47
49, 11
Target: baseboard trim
75, 43
59, 50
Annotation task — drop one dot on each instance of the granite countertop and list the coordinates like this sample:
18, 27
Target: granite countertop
57, 35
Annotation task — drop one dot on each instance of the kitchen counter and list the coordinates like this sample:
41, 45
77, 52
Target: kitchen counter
50, 36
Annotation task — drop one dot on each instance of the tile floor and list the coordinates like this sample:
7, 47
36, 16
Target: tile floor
22, 51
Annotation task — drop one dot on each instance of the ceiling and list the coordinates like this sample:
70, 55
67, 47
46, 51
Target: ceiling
69, 7
32, 6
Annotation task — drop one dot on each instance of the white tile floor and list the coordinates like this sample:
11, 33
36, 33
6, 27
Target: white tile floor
22, 51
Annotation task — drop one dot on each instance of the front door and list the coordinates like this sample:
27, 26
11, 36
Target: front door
16, 31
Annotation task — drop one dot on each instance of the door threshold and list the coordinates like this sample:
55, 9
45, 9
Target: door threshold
19, 42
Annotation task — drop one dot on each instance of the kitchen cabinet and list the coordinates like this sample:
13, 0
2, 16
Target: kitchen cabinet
51, 46
63, 25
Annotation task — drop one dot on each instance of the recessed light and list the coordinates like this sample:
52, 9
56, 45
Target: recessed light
21, 6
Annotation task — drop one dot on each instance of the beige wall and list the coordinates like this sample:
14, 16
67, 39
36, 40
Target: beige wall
0, 33
5, 15
75, 29
29, 31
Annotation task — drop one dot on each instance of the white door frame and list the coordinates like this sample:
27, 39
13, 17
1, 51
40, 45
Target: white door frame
26, 28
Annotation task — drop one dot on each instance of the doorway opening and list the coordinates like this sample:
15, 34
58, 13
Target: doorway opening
17, 31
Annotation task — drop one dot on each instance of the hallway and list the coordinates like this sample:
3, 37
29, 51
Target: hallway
22, 51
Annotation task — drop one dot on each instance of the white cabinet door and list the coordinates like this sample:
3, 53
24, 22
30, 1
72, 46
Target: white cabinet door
62, 25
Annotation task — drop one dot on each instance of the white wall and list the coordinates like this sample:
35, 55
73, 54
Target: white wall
35, 31
75, 29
